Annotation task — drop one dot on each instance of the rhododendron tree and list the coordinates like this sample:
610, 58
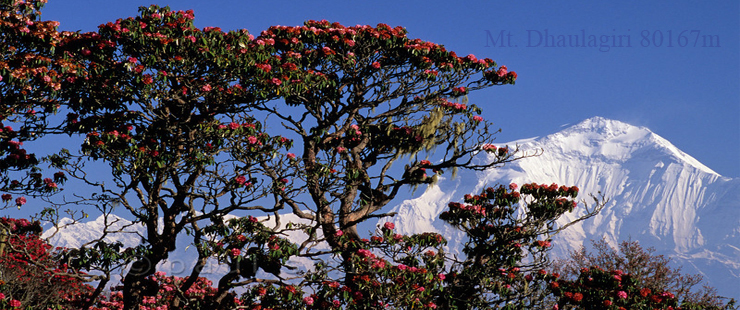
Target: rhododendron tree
509, 235
175, 111
30, 276
629, 277
204, 131
596, 288
175, 128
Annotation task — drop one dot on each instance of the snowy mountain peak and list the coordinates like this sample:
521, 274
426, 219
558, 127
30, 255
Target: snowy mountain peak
602, 126
598, 138
658, 195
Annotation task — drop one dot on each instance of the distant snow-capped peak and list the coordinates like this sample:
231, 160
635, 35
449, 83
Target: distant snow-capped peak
599, 138
658, 195
75, 234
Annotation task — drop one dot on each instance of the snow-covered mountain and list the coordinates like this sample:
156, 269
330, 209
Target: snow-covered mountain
180, 262
658, 195
75, 235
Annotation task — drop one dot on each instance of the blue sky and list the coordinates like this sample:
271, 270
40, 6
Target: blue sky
688, 94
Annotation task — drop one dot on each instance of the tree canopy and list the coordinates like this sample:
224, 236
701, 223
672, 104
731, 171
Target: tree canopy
202, 133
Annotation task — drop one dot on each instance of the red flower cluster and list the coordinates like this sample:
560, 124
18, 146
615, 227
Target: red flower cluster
31, 262
502, 75
551, 190
613, 289
455, 106
167, 296
459, 91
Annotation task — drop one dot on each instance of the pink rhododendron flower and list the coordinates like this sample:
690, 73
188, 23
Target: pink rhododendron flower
489, 147
308, 300
502, 71
365, 253
622, 294
264, 67
389, 225
477, 118
20, 201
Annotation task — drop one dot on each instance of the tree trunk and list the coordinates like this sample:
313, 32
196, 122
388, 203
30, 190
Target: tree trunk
136, 285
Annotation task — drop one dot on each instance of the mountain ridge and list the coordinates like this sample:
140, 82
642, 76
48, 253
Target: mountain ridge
659, 196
